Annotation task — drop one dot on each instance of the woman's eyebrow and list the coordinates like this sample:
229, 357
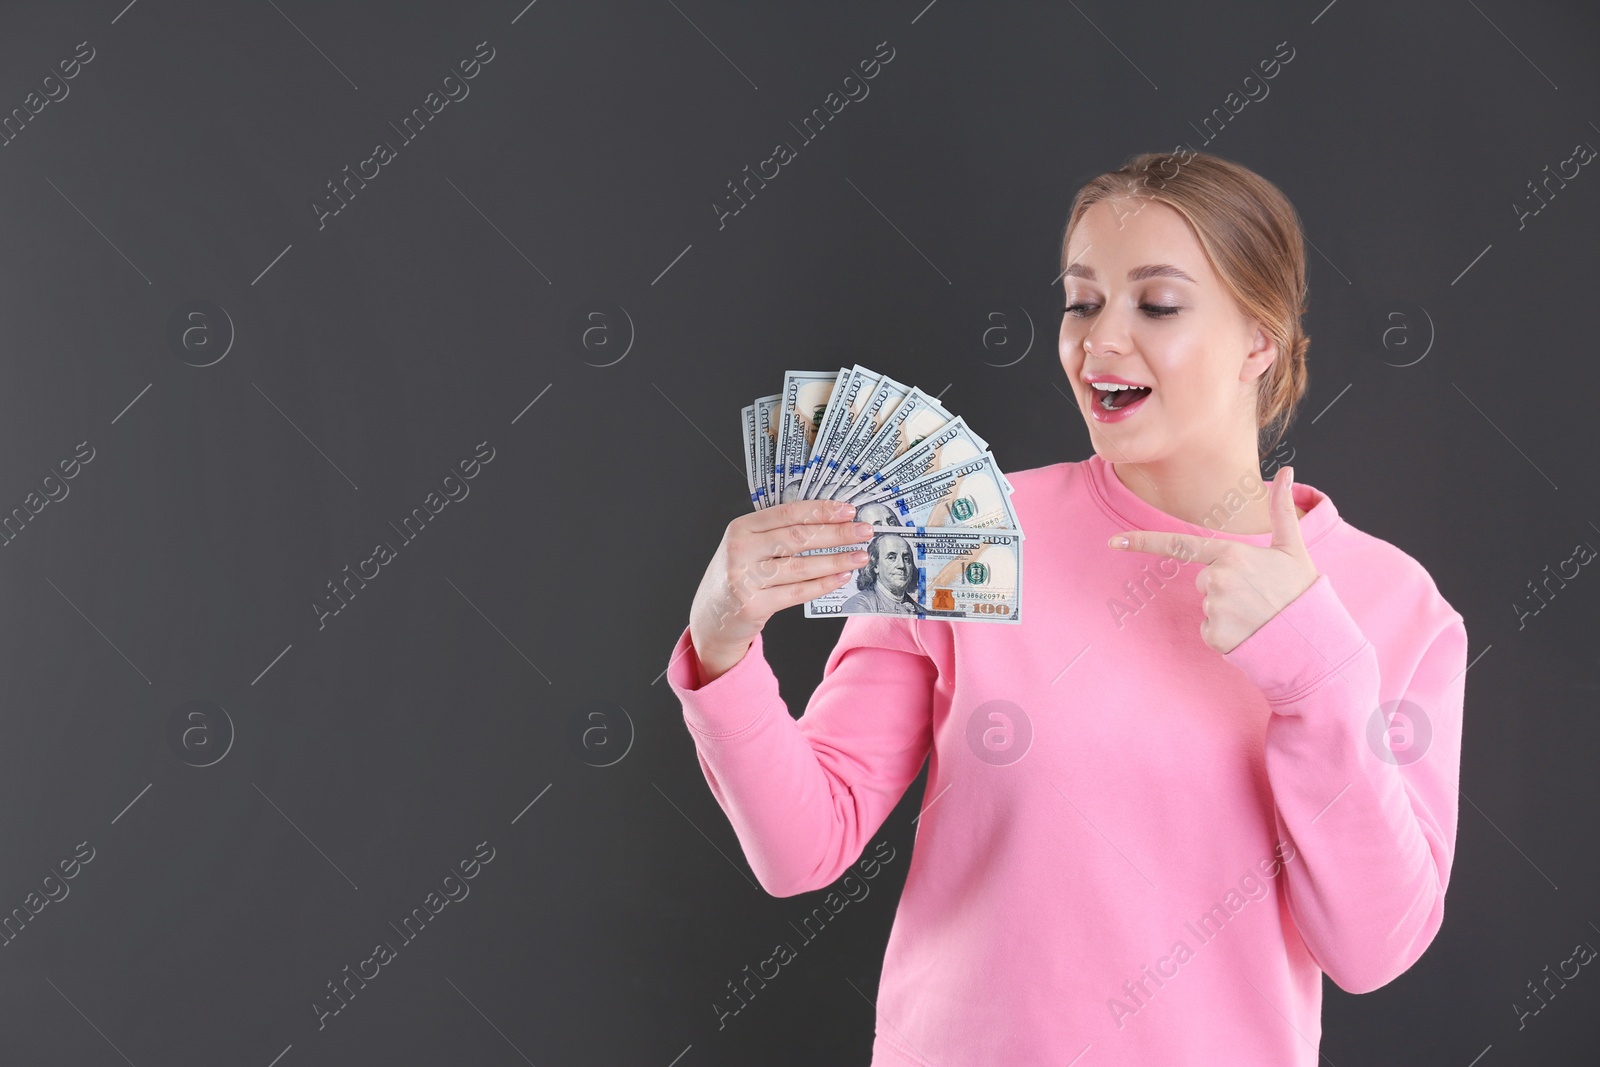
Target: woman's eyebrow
1149, 270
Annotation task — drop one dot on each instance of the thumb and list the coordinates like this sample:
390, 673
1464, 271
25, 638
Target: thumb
1285, 523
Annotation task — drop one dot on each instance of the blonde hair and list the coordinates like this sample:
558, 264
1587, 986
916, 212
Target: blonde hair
1252, 236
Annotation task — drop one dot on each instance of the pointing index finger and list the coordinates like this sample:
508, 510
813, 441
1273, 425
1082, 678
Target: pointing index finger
1185, 548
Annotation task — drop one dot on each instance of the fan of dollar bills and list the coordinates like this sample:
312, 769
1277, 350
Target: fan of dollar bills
946, 543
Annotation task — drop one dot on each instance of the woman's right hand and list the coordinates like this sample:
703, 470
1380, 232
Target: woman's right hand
757, 571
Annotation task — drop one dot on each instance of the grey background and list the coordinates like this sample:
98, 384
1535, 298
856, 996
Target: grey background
468, 693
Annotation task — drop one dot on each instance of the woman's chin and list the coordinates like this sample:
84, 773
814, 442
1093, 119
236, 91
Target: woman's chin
1113, 450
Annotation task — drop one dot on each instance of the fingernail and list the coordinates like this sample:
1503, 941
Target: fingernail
1119, 542
845, 511
862, 529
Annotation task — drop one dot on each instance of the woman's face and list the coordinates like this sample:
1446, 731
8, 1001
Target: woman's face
1147, 307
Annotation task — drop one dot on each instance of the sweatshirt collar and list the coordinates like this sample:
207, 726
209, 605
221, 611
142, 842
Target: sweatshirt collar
1131, 512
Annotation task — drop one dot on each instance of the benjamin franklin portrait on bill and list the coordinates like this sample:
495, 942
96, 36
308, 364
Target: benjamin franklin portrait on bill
887, 579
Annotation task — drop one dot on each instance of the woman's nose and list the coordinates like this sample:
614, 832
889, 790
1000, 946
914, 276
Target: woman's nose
1102, 339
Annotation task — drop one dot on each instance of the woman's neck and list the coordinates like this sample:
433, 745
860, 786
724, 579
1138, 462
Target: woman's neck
1216, 492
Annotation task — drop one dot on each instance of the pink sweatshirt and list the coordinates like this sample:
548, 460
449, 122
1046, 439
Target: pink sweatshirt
1132, 849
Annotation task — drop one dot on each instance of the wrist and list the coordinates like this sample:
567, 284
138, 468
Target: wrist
715, 660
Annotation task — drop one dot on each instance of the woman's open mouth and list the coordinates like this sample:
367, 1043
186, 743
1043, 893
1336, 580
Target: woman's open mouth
1116, 405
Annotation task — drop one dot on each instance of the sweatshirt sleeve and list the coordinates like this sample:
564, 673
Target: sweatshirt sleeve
804, 795
1374, 829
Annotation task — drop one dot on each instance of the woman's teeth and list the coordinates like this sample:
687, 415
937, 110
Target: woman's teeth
1113, 396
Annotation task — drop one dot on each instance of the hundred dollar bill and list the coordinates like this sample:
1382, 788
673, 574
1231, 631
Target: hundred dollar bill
884, 396
754, 477
804, 398
968, 495
764, 447
917, 572
914, 419
844, 405
952, 443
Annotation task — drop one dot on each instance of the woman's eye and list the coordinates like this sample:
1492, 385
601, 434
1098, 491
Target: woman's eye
1155, 311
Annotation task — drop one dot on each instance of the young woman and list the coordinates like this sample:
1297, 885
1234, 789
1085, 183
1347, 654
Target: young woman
1203, 771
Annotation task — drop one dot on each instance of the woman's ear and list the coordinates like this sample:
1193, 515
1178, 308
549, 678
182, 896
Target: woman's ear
1263, 353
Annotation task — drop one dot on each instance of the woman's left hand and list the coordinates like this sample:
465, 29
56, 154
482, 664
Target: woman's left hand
1241, 586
